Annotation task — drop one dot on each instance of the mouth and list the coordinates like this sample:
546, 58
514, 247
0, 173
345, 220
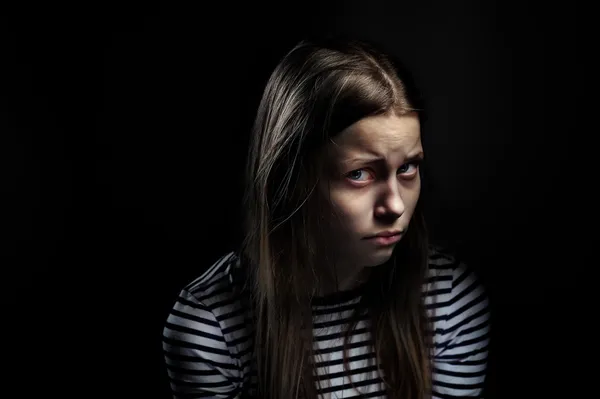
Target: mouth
385, 240
388, 233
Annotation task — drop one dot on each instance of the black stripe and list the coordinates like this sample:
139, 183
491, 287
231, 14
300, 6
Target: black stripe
206, 285
439, 278
234, 328
331, 376
205, 384
196, 305
485, 323
220, 291
458, 387
449, 266
245, 352
212, 269
195, 359
365, 344
477, 362
438, 395
192, 395
369, 395
437, 305
337, 322
328, 363
471, 341
466, 291
240, 311
458, 356
482, 312
206, 373
465, 273
437, 291
329, 310
226, 303
194, 332
191, 317
462, 374
241, 340
197, 395
439, 254
447, 344
349, 386
340, 334
190, 345
235, 393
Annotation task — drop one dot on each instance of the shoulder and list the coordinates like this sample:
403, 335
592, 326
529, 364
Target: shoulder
443, 267
208, 307
215, 282
452, 286
445, 270
209, 300
441, 260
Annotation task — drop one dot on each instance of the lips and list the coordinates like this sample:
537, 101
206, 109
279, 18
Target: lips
385, 240
389, 233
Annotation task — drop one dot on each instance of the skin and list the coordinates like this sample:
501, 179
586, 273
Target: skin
374, 185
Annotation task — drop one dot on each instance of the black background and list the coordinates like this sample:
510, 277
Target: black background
123, 137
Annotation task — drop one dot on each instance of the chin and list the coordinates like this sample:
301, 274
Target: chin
378, 260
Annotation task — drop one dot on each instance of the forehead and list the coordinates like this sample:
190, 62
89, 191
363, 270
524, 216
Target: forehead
381, 134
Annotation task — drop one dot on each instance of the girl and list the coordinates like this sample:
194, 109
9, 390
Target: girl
336, 291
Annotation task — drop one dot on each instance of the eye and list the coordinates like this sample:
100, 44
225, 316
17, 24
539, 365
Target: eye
355, 175
415, 163
404, 167
362, 175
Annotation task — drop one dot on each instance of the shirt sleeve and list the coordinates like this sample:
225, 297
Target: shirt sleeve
199, 363
461, 347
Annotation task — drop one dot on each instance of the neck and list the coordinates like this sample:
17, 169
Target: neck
347, 280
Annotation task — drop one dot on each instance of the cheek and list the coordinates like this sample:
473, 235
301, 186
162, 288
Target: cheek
353, 211
413, 197
410, 200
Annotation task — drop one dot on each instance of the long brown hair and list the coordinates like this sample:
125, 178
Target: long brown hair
318, 89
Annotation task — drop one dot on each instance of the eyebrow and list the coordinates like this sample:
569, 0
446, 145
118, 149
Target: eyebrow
372, 157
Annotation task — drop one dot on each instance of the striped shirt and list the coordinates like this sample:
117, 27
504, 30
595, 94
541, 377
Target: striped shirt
207, 339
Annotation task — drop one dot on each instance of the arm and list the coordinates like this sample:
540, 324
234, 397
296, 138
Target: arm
199, 363
461, 344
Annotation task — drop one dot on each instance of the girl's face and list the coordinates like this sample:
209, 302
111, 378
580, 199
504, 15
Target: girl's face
374, 186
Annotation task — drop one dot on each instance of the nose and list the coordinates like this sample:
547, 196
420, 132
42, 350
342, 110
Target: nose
390, 203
